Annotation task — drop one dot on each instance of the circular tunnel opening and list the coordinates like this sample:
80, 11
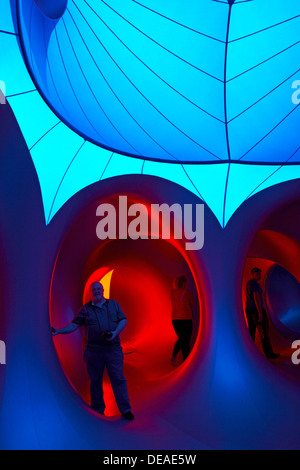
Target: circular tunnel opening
276, 251
283, 299
139, 275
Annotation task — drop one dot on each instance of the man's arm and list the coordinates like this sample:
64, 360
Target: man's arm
258, 306
65, 330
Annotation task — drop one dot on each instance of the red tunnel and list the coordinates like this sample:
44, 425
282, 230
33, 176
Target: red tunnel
139, 275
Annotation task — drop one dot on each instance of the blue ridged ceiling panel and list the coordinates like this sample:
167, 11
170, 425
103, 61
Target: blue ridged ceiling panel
199, 95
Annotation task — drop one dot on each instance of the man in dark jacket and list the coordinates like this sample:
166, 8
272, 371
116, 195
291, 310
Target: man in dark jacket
256, 313
103, 320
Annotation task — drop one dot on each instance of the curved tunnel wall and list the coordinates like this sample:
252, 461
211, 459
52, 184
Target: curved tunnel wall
229, 396
143, 271
283, 296
276, 249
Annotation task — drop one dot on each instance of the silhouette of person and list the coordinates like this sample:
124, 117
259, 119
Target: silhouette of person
103, 320
256, 313
182, 317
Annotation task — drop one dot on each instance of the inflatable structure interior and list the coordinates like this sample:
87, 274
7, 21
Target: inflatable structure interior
165, 102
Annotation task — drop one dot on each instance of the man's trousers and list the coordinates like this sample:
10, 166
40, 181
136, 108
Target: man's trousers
111, 357
262, 328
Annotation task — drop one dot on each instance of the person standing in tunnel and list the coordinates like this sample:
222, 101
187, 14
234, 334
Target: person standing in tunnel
182, 317
256, 313
103, 320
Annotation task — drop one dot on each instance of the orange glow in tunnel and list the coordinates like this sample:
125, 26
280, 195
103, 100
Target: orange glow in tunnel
104, 279
139, 275
143, 293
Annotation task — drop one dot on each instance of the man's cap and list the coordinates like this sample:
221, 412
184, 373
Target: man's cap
256, 270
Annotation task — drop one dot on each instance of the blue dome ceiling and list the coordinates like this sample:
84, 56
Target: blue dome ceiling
200, 96
210, 82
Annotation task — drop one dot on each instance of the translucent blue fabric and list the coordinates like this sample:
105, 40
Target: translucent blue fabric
199, 95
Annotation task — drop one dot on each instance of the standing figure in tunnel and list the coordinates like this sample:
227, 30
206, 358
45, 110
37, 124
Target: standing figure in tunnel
182, 317
103, 320
256, 313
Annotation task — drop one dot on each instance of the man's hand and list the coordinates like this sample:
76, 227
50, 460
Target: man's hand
54, 331
114, 334
117, 331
